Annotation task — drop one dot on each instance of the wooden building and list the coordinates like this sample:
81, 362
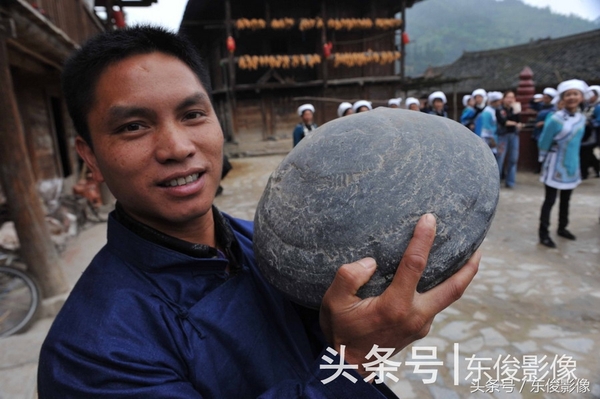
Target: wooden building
36, 135
542, 63
289, 53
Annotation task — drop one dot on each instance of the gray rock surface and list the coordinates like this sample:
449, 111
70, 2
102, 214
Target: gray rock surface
357, 188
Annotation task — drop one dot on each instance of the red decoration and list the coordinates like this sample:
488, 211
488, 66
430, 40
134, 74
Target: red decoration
327, 49
405, 38
526, 88
119, 19
230, 44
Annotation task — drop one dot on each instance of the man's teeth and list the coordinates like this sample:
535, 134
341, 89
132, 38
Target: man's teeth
182, 181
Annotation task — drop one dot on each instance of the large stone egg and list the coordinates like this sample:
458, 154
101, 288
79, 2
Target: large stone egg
357, 187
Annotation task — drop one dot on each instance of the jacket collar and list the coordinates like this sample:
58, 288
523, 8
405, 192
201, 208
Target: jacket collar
152, 249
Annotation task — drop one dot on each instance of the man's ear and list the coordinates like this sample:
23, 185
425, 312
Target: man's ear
88, 156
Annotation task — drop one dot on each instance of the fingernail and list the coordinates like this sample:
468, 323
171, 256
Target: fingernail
368, 263
430, 219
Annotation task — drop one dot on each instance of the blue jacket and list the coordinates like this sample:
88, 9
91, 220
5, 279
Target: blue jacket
301, 130
486, 125
541, 117
147, 321
559, 146
467, 117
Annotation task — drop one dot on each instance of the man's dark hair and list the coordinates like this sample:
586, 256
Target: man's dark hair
83, 69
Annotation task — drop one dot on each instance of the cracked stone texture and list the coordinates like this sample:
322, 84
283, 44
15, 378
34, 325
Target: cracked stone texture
357, 188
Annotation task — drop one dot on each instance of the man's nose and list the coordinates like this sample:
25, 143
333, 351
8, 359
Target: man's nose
174, 143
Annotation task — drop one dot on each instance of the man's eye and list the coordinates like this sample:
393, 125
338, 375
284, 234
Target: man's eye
132, 127
194, 115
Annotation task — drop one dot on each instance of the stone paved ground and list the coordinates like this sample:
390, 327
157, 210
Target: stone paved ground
526, 302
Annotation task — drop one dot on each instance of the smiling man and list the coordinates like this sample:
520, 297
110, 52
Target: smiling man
174, 306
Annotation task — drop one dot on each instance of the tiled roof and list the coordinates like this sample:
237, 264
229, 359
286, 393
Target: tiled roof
551, 60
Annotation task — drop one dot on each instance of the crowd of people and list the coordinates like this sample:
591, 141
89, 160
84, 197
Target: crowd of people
566, 130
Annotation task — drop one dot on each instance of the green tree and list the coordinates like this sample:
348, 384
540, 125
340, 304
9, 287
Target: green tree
440, 30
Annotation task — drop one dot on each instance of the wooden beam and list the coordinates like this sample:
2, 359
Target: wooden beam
19, 187
16, 45
407, 84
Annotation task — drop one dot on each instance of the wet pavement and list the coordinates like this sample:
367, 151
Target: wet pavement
531, 312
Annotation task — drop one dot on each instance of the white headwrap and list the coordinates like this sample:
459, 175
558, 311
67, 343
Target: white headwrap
573, 84
555, 100
362, 103
411, 100
537, 97
549, 91
594, 89
395, 101
479, 92
305, 107
494, 96
345, 106
437, 94
466, 99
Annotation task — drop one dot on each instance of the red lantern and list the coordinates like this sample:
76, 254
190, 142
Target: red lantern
327, 49
230, 44
119, 19
405, 38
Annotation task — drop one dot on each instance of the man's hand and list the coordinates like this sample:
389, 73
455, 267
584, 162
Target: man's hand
400, 315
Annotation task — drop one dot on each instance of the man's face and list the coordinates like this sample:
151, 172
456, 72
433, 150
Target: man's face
307, 117
438, 105
478, 99
414, 107
547, 99
157, 142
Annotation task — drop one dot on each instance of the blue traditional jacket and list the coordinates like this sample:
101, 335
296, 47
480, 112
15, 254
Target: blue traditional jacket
468, 115
486, 125
301, 131
147, 321
559, 150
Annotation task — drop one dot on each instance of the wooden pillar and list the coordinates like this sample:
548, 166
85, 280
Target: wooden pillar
263, 113
402, 54
231, 67
528, 153
324, 41
455, 101
19, 186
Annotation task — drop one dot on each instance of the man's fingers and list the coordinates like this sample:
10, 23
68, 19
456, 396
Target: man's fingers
348, 279
442, 296
413, 261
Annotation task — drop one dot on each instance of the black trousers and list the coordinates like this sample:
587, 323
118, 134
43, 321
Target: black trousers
587, 160
563, 210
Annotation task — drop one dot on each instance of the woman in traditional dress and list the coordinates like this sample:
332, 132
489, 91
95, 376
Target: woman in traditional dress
559, 153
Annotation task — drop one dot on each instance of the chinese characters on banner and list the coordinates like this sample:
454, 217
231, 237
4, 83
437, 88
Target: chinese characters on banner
507, 373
